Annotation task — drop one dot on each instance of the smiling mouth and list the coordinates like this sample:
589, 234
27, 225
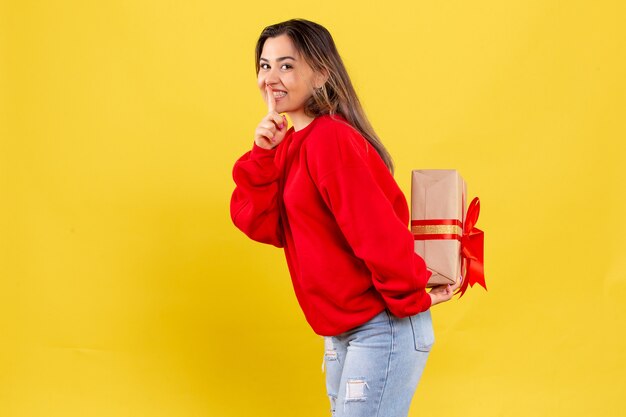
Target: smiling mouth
279, 94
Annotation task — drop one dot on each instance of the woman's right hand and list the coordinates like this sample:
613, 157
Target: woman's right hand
272, 129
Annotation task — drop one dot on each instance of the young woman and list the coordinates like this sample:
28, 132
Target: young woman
324, 191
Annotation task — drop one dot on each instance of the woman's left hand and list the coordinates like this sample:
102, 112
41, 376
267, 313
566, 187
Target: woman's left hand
443, 293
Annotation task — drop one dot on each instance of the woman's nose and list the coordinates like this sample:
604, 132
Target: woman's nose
271, 77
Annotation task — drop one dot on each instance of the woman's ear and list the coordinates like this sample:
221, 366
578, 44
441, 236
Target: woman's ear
321, 77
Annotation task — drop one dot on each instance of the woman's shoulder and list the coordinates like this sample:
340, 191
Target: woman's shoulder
334, 141
335, 124
334, 131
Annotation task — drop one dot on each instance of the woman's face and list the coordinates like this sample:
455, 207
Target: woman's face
292, 80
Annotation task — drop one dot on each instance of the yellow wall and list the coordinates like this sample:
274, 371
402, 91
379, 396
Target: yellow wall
126, 291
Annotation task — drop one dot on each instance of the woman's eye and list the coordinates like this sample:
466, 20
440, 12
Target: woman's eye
266, 66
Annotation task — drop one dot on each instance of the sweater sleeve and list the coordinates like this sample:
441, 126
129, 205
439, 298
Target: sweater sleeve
254, 202
368, 220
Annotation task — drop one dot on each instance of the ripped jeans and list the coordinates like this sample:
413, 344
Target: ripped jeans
373, 369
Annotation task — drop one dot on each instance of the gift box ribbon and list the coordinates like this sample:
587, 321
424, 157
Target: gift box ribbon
472, 249
471, 238
435, 229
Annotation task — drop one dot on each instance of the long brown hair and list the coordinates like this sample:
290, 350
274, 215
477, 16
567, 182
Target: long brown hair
337, 95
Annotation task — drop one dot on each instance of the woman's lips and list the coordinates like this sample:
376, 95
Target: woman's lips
279, 94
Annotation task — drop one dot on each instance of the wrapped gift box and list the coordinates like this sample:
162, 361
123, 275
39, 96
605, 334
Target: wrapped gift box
437, 217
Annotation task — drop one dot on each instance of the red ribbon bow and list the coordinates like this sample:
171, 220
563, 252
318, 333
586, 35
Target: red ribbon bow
472, 250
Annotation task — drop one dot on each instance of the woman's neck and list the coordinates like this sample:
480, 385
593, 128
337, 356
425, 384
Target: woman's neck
300, 120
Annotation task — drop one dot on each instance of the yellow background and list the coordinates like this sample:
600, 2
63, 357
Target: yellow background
125, 290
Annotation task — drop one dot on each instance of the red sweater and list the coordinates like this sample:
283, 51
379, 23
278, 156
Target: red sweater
325, 195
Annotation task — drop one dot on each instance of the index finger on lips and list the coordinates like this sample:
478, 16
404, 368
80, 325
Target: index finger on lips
271, 102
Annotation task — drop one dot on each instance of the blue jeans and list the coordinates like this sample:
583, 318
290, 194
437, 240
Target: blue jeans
373, 369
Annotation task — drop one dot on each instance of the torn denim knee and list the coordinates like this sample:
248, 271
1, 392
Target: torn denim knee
355, 389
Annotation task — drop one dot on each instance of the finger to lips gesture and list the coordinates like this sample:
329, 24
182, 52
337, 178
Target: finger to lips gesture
273, 127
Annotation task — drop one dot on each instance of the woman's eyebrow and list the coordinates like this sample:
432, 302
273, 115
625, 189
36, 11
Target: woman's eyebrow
282, 58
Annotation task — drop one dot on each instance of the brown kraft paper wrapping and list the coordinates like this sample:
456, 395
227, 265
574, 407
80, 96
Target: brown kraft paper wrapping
438, 196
